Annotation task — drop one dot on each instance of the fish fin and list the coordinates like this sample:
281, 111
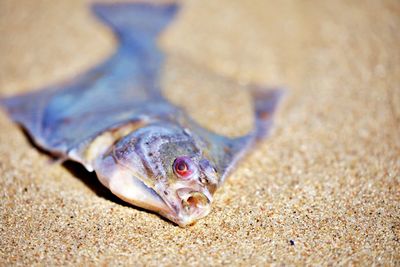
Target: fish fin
27, 110
65, 116
136, 21
265, 103
225, 151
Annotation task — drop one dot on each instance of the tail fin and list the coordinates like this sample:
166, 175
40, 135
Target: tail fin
136, 21
265, 103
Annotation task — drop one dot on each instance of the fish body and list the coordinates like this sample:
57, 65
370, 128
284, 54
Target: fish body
114, 120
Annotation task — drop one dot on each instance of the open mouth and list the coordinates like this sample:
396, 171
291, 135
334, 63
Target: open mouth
192, 200
193, 206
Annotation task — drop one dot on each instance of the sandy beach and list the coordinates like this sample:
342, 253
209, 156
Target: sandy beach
323, 189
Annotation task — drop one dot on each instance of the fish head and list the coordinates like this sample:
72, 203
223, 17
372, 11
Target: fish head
162, 167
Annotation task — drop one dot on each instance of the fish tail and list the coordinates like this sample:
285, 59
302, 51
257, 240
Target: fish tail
265, 103
136, 21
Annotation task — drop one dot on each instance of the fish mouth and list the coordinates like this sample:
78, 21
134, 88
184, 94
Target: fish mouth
187, 207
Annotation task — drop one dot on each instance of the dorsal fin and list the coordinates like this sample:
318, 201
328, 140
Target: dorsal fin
137, 22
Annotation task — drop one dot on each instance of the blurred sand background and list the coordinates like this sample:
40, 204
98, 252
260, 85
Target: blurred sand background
327, 179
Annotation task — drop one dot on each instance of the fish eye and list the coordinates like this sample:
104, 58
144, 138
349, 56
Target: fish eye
183, 167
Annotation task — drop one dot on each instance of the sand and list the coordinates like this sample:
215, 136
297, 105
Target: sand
324, 189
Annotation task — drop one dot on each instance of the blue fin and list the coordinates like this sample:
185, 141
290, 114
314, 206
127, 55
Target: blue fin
123, 88
136, 22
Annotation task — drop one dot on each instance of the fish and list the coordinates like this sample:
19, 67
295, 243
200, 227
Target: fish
114, 120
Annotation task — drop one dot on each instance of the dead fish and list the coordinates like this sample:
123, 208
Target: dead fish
114, 120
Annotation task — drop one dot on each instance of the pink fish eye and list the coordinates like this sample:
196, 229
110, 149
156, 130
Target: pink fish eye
183, 167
